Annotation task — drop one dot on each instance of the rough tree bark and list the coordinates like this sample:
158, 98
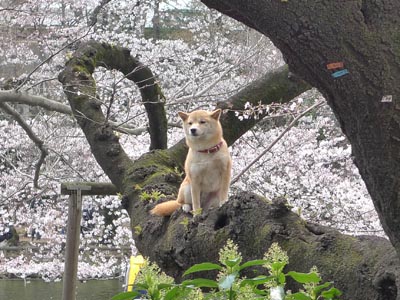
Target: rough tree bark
177, 242
365, 36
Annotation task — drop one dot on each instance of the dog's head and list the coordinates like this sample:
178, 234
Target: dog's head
201, 124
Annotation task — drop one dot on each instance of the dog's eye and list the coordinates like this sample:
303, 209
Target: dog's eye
190, 123
202, 122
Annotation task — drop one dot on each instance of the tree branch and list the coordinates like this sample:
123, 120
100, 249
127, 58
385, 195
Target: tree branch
52, 105
278, 86
92, 55
32, 100
38, 142
294, 122
27, 78
200, 93
96, 11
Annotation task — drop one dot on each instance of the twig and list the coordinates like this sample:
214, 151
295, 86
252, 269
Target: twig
184, 99
40, 82
317, 105
13, 10
38, 142
68, 164
96, 11
7, 197
50, 57
15, 167
112, 99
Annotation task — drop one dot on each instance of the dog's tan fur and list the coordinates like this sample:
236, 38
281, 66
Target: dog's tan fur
208, 175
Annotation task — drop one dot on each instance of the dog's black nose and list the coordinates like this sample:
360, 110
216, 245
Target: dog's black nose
193, 131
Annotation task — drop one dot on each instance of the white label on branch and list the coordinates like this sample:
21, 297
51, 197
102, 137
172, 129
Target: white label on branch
387, 98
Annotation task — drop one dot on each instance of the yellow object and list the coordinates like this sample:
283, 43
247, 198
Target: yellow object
135, 263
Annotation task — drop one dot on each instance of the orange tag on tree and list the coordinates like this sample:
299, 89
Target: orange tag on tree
335, 65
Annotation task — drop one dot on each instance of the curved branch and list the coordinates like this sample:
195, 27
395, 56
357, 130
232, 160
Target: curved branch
92, 54
80, 88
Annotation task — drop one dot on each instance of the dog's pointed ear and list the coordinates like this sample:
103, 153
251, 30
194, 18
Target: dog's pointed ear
216, 114
183, 115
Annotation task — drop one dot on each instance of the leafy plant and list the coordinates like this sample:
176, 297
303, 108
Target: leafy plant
151, 196
151, 280
138, 229
185, 223
229, 285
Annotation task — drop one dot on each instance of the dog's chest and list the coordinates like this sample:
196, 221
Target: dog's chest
208, 169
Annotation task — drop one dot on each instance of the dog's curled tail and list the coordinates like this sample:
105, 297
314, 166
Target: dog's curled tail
165, 208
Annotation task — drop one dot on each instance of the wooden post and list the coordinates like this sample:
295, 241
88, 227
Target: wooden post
73, 236
96, 188
76, 190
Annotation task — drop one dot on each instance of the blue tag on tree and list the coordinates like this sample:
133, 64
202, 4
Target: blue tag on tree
340, 73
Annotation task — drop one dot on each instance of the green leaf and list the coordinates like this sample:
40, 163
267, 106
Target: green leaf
281, 278
319, 288
171, 295
331, 293
278, 266
260, 292
299, 296
202, 267
141, 286
227, 281
256, 280
163, 286
304, 277
232, 262
201, 282
251, 263
125, 296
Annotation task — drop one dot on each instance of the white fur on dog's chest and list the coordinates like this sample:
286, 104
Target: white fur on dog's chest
207, 169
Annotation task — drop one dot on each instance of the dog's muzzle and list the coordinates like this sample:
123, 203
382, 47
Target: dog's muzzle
193, 131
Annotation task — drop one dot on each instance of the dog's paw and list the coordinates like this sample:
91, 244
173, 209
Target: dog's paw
197, 212
186, 208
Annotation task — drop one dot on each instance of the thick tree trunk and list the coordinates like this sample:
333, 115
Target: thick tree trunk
365, 36
364, 268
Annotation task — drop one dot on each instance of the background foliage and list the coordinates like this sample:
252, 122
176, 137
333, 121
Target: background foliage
199, 57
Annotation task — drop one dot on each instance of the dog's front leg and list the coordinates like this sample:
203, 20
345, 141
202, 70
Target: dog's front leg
185, 195
195, 197
225, 183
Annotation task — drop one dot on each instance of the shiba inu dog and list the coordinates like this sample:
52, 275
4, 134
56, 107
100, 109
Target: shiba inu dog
207, 166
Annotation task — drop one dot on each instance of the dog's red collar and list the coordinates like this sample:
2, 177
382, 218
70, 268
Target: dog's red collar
212, 149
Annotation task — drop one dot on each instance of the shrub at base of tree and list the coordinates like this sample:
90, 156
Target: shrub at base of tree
156, 285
